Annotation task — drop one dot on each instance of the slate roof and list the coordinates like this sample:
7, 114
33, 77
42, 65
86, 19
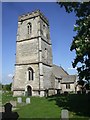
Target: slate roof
69, 79
59, 71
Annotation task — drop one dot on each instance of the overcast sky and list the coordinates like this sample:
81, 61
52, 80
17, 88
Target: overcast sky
61, 33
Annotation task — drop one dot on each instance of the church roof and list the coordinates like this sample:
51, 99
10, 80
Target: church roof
69, 79
58, 71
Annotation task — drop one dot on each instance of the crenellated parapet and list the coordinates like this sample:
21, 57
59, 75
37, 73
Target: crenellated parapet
33, 15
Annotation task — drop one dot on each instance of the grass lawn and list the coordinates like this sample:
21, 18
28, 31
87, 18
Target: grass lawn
50, 107
6, 97
40, 108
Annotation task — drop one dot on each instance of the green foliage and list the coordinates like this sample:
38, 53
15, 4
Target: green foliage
81, 42
7, 96
7, 87
0, 86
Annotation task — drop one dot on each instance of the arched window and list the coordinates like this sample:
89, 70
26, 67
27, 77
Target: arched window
29, 26
30, 74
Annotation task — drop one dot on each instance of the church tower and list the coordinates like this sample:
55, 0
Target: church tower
33, 68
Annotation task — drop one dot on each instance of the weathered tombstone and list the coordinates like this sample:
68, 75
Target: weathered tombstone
8, 114
64, 114
19, 100
27, 100
14, 103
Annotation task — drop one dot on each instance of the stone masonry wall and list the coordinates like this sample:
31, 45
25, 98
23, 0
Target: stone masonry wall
48, 59
22, 32
27, 51
21, 78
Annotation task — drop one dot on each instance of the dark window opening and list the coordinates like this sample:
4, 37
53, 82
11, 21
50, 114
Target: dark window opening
29, 28
30, 74
67, 86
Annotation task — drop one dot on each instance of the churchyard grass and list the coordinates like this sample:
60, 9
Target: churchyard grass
7, 96
40, 108
50, 107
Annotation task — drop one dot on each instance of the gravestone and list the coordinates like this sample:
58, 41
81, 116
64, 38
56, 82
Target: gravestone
64, 114
14, 103
27, 100
8, 114
19, 100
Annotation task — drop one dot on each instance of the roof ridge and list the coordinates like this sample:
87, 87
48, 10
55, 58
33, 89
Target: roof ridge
61, 68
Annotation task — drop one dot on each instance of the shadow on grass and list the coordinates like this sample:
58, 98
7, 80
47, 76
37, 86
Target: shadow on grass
79, 104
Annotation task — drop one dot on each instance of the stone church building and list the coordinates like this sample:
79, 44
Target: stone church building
35, 74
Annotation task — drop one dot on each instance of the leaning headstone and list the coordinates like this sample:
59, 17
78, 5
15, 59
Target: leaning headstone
19, 100
27, 100
14, 103
64, 114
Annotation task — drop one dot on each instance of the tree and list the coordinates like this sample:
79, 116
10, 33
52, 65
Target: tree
7, 87
0, 86
81, 42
